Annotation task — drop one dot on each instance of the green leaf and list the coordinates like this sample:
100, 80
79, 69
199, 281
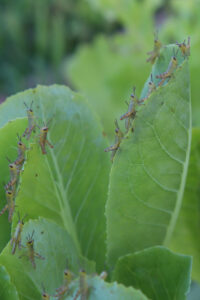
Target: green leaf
101, 290
56, 246
7, 289
8, 138
186, 235
69, 184
106, 72
157, 272
148, 175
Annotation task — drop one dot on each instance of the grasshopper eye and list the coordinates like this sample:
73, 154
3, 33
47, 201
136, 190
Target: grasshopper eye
11, 166
44, 295
66, 273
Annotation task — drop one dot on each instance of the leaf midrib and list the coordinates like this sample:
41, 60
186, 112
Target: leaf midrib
65, 210
183, 181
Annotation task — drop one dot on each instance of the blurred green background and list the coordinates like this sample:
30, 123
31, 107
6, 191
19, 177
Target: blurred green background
97, 47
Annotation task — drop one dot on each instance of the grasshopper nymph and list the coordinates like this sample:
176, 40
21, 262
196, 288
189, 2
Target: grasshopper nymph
173, 64
156, 50
83, 286
21, 153
118, 138
10, 206
43, 139
16, 239
31, 254
151, 88
130, 114
63, 289
45, 296
185, 48
14, 175
31, 121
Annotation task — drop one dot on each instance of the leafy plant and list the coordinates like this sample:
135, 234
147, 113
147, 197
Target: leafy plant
79, 220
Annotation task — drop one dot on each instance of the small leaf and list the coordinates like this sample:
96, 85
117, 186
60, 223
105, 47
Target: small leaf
56, 246
157, 272
186, 235
148, 175
101, 290
7, 289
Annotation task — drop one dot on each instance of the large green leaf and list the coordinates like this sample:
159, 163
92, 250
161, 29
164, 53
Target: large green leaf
7, 289
148, 175
58, 249
186, 235
157, 272
8, 138
69, 184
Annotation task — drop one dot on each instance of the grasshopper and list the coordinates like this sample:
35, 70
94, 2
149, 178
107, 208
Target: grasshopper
151, 88
130, 114
16, 239
68, 275
31, 122
10, 206
173, 64
45, 296
43, 138
185, 48
83, 286
21, 153
31, 254
156, 50
118, 138
14, 175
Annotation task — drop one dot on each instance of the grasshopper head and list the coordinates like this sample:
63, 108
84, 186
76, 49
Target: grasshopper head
21, 146
44, 129
12, 167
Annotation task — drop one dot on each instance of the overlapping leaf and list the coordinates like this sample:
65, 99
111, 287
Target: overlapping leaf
157, 272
